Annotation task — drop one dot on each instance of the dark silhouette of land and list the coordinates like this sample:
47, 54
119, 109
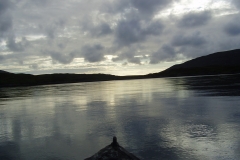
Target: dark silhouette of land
227, 62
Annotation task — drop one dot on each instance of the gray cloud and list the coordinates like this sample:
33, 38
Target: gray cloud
61, 57
93, 53
16, 46
145, 8
129, 56
236, 3
5, 17
5, 23
233, 28
52, 30
102, 29
60, 28
165, 53
194, 40
133, 31
34, 66
195, 19
4, 5
151, 6
99, 30
1, 58
41, 3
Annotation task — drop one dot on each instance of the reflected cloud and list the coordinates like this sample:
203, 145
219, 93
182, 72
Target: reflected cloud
154, 119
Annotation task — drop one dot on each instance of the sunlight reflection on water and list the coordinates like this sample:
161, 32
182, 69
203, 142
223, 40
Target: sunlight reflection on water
173, 118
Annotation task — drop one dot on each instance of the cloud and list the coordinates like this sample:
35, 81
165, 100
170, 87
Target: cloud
53, 29
41, 3
5, 23
194, 40
195, 19
63, 30
129, 56
133, 31
233, 28
151, 6
102, 29
16, 47
98, 30
93, 53
34, 66
1, 58
4, 5
145, 8
236, 3
61, 57
5, 17
165, 53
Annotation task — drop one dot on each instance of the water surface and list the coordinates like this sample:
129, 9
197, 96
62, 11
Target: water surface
195, 118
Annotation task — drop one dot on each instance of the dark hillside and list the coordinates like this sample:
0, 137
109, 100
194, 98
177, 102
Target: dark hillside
4, 72
217, 63
227, 62
228, 58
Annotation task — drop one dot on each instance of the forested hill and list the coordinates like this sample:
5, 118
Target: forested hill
227, 62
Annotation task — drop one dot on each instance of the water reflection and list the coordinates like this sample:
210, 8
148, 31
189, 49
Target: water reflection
154, 119
221, 85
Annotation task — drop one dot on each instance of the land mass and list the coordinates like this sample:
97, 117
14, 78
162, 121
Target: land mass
226, 62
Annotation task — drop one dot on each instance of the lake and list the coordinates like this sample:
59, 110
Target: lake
190, 118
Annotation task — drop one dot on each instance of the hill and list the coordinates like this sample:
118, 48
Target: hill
227, 62
11, 80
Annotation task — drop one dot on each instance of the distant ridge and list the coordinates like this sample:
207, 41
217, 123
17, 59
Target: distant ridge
4, 72
227, 58
226, 62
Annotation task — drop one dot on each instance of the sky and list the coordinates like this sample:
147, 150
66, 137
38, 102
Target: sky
119, 37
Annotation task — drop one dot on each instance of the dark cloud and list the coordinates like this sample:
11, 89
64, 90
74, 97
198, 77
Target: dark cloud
195, 19
194, 40
52, 30
133, 31
4, 6
233, 28
16, 46
165, 53
145, 8
1, 58
103, 29
5, 23
150, 6
5, 17
99, 30
61, 57
93, 53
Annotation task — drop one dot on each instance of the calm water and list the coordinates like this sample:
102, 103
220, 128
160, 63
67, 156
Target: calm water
194, 118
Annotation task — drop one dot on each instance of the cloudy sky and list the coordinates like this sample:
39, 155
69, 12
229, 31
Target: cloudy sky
121, 37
